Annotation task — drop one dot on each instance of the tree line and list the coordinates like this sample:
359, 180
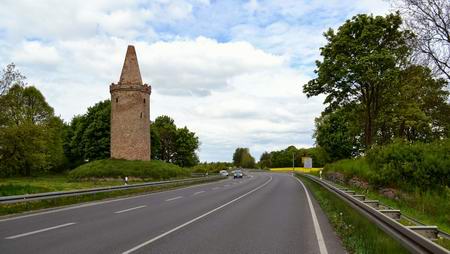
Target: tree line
33, 140
291, 155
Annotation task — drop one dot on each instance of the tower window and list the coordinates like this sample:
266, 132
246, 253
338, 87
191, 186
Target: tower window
117, 99
144, 101
141, 114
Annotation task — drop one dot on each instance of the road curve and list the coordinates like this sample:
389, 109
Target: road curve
262, 213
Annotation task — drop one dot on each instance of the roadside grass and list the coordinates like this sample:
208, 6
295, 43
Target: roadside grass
297, 169
39, 184
358, 234
431, 208
14, 208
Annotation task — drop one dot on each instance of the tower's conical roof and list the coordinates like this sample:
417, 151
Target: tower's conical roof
130, 71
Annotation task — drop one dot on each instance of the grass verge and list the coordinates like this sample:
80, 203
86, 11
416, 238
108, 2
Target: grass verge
30, 185
13, 208
358, 234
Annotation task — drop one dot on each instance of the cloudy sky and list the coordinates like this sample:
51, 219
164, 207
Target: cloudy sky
231, 71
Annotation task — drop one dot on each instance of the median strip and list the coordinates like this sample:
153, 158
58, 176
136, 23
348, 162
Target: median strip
39, 231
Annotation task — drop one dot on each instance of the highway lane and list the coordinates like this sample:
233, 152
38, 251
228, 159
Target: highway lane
266, 213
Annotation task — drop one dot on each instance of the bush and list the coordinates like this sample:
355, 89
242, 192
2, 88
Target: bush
400, 164
352, 167
109, 168
425, 166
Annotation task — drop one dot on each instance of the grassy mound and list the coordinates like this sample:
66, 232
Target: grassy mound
148, 170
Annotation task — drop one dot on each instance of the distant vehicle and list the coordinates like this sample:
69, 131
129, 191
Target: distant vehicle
223, 173
238, 174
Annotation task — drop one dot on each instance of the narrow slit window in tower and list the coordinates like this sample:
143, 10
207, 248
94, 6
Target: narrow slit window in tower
144, 101
117, 99
141, 114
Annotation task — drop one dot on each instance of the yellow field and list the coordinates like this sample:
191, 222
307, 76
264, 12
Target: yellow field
304, 170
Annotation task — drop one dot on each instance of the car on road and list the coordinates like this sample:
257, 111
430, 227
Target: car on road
238, 174
223, 173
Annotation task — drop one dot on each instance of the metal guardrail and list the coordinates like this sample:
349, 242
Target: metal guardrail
51, 195
413, 241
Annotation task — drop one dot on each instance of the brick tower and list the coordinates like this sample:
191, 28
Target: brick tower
130, 112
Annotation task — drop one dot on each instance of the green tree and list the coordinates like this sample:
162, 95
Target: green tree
265, 161
166, 130
243, 158
187, 144
336, 132
361, 63
418, 110
88, 136
30, 134
172, 144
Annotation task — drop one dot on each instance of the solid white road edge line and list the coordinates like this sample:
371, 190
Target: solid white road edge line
170, 199
94, 203
131, 209
195, 219
198, 192
319, 236
39, 231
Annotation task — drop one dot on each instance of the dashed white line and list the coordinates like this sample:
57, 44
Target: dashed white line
198, 192
194, 220
131, 209
226, 185
39, 231
319, 236
215, 188
170, 199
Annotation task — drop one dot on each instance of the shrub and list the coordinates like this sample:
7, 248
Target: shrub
425, 166
110, 168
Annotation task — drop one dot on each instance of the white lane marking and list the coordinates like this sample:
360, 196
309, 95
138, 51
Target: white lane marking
215, 188
39, 231
198, 192
195, 219
131, 209
226, 185
71, 207
319, 236
170, 199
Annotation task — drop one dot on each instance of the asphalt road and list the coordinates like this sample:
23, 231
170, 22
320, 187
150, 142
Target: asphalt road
262, 213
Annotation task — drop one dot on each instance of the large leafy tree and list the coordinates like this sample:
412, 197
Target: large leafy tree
165, 130
418, 109
172, 144
265, 161
361, 62
88, 136
30, 134
243, 158
337, 133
